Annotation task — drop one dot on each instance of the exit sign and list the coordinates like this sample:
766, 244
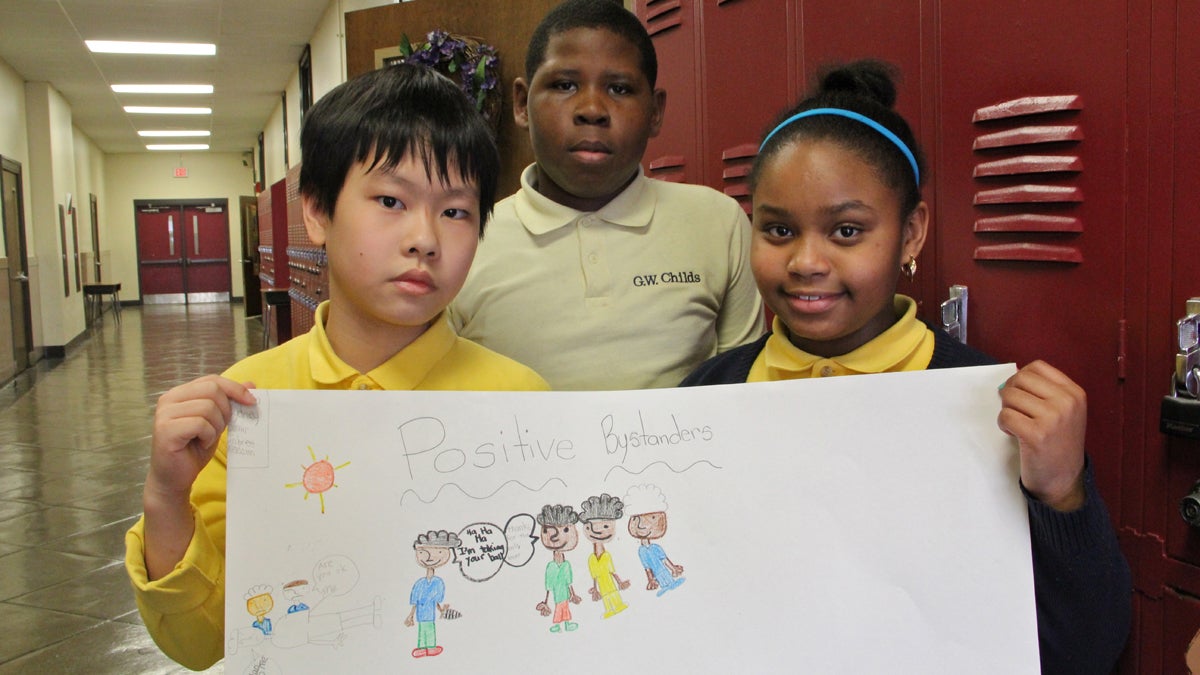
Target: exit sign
181, 172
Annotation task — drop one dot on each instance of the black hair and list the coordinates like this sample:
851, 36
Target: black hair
381, 117
866, 87
605, 14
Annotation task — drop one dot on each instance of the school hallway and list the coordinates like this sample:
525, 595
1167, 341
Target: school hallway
74, 450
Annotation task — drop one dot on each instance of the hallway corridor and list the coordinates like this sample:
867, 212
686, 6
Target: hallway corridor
74, 449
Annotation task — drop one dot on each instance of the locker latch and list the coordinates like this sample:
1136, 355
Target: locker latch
954, 313
1180, 413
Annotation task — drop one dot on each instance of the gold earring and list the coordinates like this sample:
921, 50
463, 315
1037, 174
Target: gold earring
910, 268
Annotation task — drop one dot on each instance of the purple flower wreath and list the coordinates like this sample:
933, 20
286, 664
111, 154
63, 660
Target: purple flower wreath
474, 65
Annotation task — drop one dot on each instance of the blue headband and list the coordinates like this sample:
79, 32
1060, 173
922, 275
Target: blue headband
857, 117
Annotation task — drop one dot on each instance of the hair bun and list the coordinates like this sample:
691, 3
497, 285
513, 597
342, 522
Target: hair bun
867, 78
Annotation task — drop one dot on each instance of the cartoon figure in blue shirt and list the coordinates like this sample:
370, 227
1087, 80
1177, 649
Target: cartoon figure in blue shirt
260, 603
293, 592
648, 522
433, 549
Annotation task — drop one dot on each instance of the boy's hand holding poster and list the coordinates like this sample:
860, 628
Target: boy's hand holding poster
853, 524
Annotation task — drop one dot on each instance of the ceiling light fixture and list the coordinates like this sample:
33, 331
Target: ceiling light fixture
176, 48
174, 133
163, 88
178, 146
166, 110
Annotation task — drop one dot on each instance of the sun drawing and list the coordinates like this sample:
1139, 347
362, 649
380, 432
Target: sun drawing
318, 477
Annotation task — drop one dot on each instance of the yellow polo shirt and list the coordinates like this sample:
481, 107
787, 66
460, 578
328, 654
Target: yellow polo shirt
906, 345
184, 611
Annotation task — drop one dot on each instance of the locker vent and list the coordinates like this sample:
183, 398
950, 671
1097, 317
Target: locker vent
661, 15
1026, 179
735, 168
668, 167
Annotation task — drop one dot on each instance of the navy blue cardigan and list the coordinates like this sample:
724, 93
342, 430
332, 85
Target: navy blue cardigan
1081, 581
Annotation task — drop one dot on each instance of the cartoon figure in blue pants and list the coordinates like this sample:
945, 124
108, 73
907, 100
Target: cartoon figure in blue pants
647, 522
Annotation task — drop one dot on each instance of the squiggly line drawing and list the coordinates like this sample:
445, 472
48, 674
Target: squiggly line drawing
468, 494
664, 463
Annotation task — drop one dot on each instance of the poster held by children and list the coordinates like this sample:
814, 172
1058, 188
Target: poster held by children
841, 525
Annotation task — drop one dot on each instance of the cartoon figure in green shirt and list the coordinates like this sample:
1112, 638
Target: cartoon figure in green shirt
559, 536
599, 516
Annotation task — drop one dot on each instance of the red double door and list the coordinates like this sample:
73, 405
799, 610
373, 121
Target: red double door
183, 252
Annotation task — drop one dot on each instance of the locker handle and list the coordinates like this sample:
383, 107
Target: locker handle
171, 235
954, 313
196, 233
1189, 507
1179, 414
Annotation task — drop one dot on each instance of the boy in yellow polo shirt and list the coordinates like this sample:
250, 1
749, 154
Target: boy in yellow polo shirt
398, 182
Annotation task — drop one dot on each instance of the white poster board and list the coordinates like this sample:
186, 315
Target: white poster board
845, 525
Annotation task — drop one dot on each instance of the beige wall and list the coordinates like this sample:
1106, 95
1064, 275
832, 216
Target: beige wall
36, 130
51, 172
329, 61
328, 53
13, 141
134, 176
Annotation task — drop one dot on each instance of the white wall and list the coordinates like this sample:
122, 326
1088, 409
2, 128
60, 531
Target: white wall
134, 176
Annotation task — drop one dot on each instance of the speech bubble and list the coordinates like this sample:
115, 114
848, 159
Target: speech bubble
518, 531
335, 575
481, 553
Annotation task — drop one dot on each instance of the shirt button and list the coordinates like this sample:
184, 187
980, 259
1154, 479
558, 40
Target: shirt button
827, 371
363, 386
593, 258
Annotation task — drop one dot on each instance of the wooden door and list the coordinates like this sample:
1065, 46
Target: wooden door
19, 308
251, 287
97, 264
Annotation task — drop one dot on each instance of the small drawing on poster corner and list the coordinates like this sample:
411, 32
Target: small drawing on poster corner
307, 614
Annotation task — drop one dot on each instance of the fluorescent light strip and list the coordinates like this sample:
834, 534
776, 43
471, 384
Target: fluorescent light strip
165, 110
174, 134
178, 146
176, 48
163, 88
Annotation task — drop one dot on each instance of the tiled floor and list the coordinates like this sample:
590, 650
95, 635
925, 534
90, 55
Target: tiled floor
74, 444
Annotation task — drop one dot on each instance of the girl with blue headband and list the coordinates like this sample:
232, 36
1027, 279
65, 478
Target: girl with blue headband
838, 217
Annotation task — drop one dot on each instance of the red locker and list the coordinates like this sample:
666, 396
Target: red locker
674, 155
1062, 143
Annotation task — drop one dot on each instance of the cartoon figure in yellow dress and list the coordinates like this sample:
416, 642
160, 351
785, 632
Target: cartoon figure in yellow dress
599, 516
